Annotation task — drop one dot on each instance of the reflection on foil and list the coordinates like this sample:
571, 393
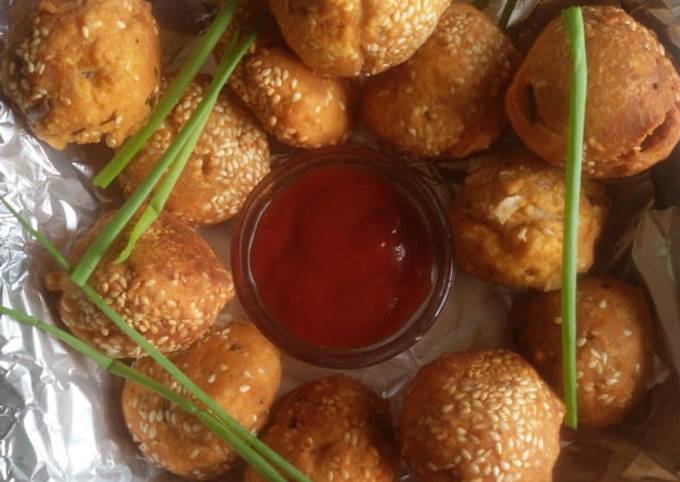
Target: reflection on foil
60, 416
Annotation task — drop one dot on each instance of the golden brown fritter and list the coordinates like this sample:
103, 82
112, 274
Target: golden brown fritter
231, 157
171, 290
293, 103
480, 416
614, 343
447, 100
82, 70
633, 107
507, 222
348, 38
334, 429
237, 367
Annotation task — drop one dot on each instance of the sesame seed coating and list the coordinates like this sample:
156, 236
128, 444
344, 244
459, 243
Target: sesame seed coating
293, 103
177, 441
480, 417
348, 38
231, 157
614, 345
333, 429
447, 100
171, 290
507, 221
82, 70
633, 106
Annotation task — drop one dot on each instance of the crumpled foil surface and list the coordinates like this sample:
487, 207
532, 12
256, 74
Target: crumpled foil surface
60, 417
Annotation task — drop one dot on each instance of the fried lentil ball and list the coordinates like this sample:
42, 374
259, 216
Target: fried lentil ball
237, 367
633, 107
82, 70
294, 104
348, 38
507, 222
334, 429
231, 157
447, 100
480, 417
614, 343
170, 289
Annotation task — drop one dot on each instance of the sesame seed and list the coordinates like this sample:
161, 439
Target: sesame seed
121, 24
244, 388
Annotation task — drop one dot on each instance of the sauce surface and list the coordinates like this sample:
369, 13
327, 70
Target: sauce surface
341, 257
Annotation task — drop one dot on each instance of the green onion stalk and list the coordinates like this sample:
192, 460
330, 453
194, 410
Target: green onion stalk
95, 251
166, 186
573, 19
126, 372
215, 410
507, 14
171, 97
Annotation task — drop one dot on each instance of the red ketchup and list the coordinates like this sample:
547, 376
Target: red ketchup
341, 257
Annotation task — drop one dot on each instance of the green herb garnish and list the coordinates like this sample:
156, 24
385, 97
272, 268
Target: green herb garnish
197, 124
507, 14
96, 250
577, 113
124, 371
172, 96
215, 410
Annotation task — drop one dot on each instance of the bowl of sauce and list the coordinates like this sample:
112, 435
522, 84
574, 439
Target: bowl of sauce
342, 256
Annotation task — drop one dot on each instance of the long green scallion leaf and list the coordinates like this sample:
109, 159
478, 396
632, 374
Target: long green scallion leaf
95, 298
166, 186
94, 253
122, 370
577, 112
172, 96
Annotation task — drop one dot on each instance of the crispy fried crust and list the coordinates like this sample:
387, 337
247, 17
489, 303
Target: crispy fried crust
615, 351
82, 70
633, 109
334, 429
348, 38
293, 103
480, 415
507, 222
170, 289
231, 157
237, 367
447, 100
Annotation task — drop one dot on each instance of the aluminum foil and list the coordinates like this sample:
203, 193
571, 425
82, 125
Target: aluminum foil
60, 417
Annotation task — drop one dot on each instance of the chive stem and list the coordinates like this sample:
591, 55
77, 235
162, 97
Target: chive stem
122, 370
506, 15
95, 298
166, 186
172, 96
577, 110
95, 251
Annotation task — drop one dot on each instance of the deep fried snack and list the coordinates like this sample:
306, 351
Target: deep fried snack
292, 102
348, 38
231, 157
82, 70
615, 352
480, 416
633, 108
507, 222
334, 429
170, 289
237, 367
447, 100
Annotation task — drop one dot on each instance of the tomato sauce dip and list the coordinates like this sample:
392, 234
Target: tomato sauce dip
341, 257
